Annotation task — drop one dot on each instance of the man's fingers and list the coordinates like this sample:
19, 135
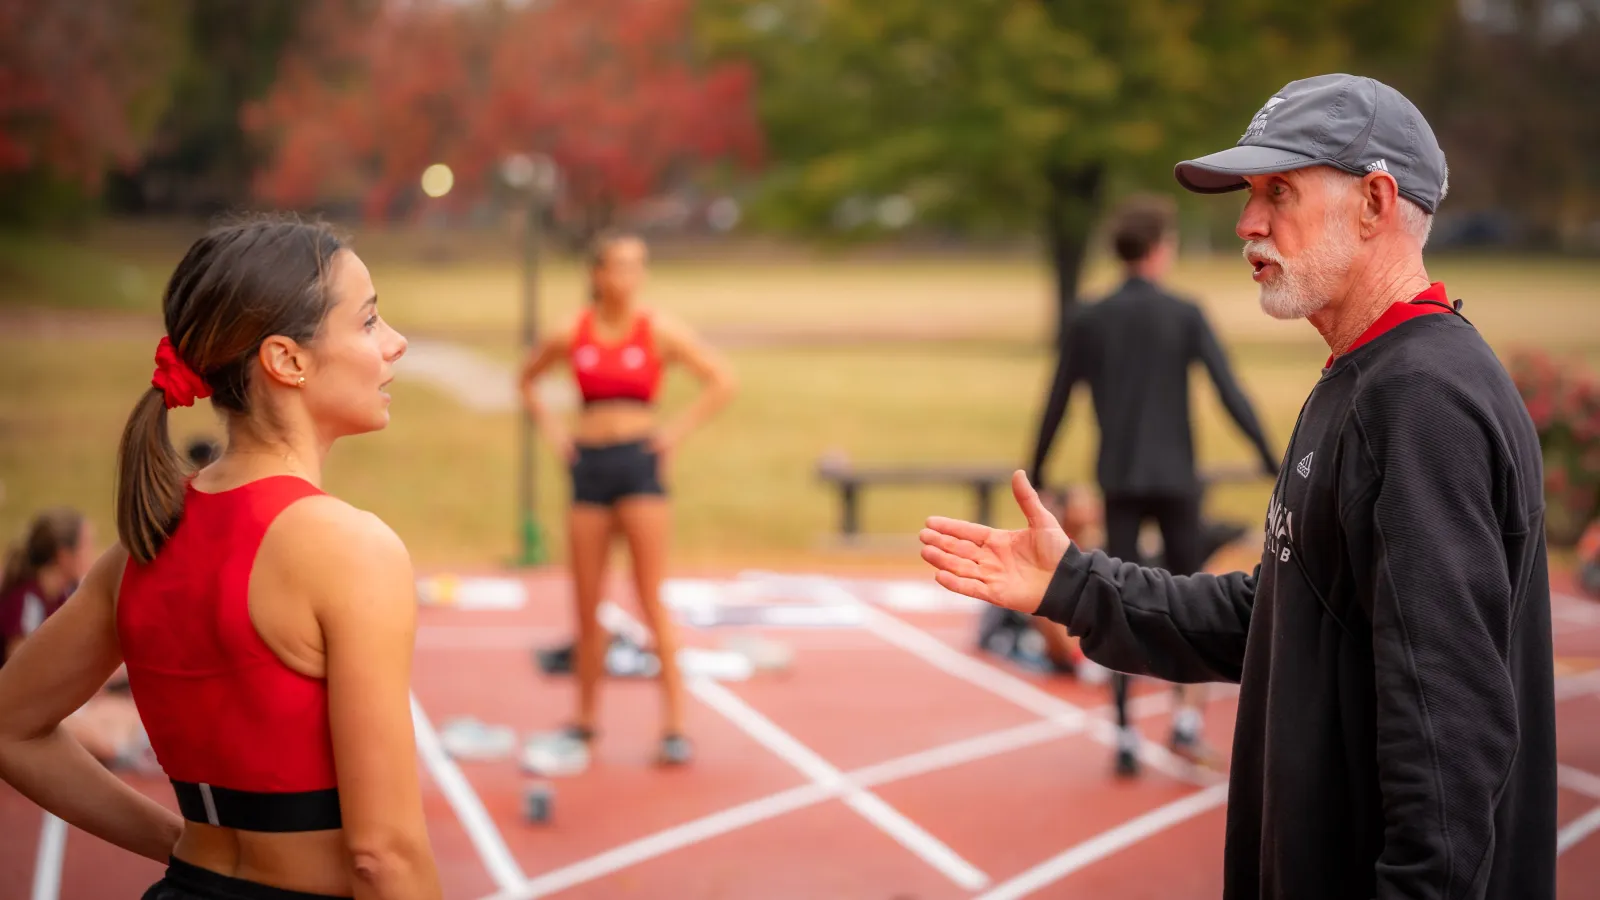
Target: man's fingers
949, 562
956, 528
970, 587
952, 545
1032, 507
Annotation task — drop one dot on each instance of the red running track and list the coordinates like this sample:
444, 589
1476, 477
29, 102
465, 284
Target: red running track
889, 762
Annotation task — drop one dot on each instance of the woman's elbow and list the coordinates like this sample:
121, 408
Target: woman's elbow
391, 859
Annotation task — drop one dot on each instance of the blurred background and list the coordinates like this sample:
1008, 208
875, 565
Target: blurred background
877, 208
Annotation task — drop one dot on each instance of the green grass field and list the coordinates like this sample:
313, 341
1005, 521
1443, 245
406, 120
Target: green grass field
951, 369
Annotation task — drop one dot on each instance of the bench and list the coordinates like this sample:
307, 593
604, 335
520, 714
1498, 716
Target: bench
981, 478
850, 479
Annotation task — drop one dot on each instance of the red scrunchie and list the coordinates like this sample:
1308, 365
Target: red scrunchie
176, 380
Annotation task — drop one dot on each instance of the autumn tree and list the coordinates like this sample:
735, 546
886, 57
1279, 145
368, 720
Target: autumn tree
81, 85
611, 90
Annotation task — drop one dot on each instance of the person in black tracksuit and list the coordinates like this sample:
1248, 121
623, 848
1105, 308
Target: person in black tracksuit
1396, 732
1135, 348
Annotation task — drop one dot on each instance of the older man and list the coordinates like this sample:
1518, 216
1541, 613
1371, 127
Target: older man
1396, 727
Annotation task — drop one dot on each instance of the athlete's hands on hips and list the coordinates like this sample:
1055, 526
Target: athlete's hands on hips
1005, 568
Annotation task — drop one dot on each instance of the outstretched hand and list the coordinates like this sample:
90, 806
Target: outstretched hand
1005, 568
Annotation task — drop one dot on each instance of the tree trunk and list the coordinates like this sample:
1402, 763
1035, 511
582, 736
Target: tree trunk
1073, 207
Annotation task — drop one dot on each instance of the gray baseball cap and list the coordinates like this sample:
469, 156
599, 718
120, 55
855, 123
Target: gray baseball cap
1348, 122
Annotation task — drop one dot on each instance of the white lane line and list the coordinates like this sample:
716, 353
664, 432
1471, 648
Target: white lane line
486, 838
1571, 686
784, 745
824, 774
1578, 780
1577, 830
1007, 686
759, 810
969, 750
47, 865
666, 841
688, 834
1108, 842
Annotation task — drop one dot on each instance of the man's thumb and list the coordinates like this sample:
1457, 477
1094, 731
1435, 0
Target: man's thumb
1028, 499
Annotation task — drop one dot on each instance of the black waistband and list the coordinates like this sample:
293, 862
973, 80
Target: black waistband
198, 882
252, 811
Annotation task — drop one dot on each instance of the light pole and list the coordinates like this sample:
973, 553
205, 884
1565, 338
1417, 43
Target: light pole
534, 176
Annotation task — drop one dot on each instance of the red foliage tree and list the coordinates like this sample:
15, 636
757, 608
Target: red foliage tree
81, 83
608, 89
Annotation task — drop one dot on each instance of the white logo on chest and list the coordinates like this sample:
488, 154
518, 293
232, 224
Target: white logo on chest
1279, 530
632, 357
587, 357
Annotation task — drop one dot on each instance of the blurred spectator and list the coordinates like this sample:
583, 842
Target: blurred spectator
41, 572
203, 452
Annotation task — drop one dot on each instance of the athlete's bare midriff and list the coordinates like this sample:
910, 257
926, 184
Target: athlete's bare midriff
614, 422
316, 862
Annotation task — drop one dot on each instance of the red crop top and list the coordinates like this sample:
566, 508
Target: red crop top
244, 738
630, 370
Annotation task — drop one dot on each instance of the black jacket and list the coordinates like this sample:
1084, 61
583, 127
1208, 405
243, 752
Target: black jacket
1396, 725
1135, 348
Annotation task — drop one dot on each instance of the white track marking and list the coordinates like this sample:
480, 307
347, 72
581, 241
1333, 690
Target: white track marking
1108, 842
1578, 780
1005, 685
756, 811
1577, 830
668, 840
783, 745
1589, 785
47, 865
486, 838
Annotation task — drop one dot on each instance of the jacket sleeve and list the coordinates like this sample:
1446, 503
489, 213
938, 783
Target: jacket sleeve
1228, 390
1068, 372
1442, 614
1146, 621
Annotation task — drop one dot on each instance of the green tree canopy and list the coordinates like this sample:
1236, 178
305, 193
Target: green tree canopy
1006, 115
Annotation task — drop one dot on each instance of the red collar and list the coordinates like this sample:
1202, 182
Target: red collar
1401, 312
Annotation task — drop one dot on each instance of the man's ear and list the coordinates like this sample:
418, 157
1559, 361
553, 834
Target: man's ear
1380, 202
283, 360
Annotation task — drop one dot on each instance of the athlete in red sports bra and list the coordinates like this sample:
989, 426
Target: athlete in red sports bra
618, 453
266, 626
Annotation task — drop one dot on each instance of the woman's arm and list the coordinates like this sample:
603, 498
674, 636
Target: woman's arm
546, 354
54, 672
679, 343
364, 596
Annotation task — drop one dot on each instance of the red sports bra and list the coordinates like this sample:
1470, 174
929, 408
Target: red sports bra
244, 738
630, 370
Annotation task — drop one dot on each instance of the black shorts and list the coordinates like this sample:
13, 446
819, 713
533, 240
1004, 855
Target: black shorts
184, 881
602, 475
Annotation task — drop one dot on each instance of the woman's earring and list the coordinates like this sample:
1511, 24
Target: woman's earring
301, 382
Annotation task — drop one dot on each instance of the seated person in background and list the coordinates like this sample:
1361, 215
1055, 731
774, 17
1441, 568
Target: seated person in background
202, 452
41, 572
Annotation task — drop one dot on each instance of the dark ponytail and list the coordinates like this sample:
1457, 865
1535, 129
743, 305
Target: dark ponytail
50, 532
237, 286
151, 479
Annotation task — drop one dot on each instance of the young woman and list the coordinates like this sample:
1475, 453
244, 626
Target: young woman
40, 572
619, 453
266, 626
